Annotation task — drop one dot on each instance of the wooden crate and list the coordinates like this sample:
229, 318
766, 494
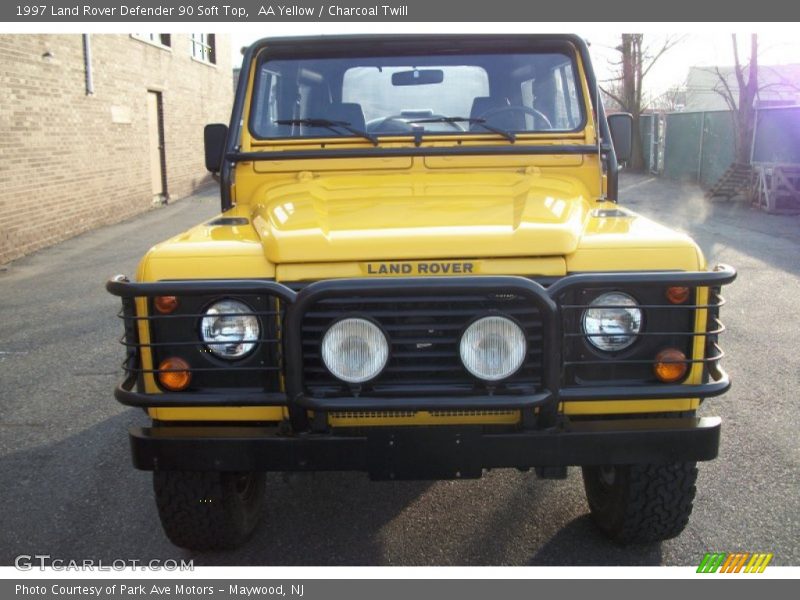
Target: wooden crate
776, 188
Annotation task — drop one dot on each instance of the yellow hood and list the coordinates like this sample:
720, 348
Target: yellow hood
406, 216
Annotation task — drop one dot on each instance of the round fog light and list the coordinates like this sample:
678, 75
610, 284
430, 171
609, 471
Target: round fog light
493, 348
355, 350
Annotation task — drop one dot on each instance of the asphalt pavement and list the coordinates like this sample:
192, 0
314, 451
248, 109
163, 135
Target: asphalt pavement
67, 487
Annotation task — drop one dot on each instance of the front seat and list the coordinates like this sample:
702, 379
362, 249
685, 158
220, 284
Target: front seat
510, 120
349, 112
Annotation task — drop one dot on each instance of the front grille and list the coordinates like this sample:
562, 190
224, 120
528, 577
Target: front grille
424, 334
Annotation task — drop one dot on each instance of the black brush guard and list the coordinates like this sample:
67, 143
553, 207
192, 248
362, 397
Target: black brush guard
545, 438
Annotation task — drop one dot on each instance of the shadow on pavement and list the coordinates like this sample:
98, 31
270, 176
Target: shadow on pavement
80, 498
579, 543
322, 519
532, 526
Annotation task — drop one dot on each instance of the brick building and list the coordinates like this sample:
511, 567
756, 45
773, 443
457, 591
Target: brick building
97, 128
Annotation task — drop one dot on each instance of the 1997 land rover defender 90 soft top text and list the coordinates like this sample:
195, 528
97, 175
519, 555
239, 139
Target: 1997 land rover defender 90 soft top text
420, 271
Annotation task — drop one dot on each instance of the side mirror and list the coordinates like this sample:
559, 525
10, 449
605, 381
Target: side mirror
214, 139
621, 127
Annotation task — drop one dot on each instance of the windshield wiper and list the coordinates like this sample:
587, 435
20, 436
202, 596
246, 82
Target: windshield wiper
331, 125
472, 121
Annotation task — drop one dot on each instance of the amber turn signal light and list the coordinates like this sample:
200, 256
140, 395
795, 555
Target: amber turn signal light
670, 366
174, 374
165, 304
678, 294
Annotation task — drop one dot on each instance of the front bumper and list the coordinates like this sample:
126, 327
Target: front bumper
440, 452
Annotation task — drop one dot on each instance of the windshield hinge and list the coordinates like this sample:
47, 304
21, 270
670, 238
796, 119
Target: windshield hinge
418, 133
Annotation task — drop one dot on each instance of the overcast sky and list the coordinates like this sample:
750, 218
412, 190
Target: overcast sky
694, 49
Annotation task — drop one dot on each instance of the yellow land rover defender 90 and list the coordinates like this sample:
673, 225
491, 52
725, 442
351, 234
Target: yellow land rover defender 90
421, 271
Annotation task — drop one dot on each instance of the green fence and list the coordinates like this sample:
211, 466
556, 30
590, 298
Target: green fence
699, 146
718, 147
683, 146
646, 131
777, 138
651, 128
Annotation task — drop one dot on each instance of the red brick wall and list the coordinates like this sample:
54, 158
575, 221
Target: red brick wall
65, 165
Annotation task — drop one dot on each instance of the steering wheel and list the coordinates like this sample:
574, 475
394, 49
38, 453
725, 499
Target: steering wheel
536, 114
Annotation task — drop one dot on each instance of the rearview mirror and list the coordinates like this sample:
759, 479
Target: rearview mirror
417, 77
214, 140
621, 127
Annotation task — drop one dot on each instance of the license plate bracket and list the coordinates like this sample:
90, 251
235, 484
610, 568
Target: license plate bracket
423, 453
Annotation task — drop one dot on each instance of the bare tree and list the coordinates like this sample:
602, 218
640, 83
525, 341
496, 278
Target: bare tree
627, 89
610, 103
673, 99
742, 98
741, 101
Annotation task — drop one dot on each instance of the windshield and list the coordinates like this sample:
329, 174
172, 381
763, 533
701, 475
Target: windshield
396, 95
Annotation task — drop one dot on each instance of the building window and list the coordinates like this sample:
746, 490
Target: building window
163, 40
204, 47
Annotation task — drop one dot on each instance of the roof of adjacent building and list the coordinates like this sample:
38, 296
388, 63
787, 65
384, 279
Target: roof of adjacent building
779, 86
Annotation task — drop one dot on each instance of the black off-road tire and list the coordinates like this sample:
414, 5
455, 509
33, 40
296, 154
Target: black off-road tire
206, 511
641, 503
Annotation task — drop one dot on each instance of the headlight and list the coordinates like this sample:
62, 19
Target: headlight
228, 331
493, 348
355, 350
612, 329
